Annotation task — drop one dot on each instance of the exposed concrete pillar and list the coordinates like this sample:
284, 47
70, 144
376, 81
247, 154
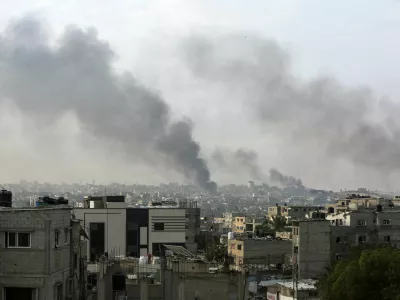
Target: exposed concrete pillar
144, 289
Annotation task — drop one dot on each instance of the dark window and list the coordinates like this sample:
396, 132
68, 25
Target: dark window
59, 292
239, 247
24, 239
295, 249
386, 238
57, 238
18, 240
75, 260
159, 226
12, 239
66, 236
96, 240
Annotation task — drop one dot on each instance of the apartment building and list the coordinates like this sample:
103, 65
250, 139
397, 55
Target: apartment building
41, 254
292, 213
368, 226
123, 231
311, 246
258, 252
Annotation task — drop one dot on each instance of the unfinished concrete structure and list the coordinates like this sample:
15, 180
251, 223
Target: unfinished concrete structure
311, 247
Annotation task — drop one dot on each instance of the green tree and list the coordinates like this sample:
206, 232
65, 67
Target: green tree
277, 223
372, 274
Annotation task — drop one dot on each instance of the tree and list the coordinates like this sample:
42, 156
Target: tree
277, 223
372, 274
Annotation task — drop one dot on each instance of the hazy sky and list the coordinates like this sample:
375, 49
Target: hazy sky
356, 41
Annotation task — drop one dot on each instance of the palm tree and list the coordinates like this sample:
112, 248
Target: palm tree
277, 223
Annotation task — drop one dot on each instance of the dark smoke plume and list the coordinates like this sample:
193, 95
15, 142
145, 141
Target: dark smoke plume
243, 158
77, 76
347, 123
283, 180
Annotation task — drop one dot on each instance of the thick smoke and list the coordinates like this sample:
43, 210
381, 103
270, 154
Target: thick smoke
283, 180
242, 158
347, 123
247, 159
77, 76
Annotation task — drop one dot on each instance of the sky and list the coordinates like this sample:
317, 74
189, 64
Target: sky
355, 41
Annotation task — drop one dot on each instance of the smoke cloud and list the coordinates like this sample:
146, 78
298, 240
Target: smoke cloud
283, 180
244, 159
343, 122
77, 75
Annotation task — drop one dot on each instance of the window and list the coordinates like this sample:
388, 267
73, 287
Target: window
342, 239
361, 223
239, 247
296, 249
57, 238
387, 222
313, 293
362, 239
341, 222
386, 238
59, 292
66, 236
18, 239
75, 260
158, 226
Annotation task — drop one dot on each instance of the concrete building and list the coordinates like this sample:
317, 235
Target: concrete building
122, 231
311, 247
239, 224
40, 254
287, 290
368, 226
291, 213
258, 252
192, 223
181, 278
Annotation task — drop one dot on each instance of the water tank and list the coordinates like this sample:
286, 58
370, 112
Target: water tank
5, 198
379, 207
143, 260
231, 236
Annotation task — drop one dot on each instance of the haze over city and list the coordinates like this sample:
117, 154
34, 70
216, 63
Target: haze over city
201, 92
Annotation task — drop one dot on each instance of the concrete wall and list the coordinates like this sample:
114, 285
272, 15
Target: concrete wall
258, 251
43, 265
174, 220
115, 227
314, 251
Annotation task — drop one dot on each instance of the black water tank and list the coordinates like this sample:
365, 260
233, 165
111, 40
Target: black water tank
5, 198
118, 282
379, 207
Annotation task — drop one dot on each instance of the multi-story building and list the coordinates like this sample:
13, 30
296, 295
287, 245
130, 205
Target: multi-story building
311, 246
118, 230
258, 252
41, 253
292, 213
239, 224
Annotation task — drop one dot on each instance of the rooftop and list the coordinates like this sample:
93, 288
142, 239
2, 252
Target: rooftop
53, 207
305, 284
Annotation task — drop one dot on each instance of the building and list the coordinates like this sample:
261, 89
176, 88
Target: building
122, 231
291, 213
252, 223
41, 254
258, 252
239, 224
192, 223
177, 276
311, 246
285, 290
362, 227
